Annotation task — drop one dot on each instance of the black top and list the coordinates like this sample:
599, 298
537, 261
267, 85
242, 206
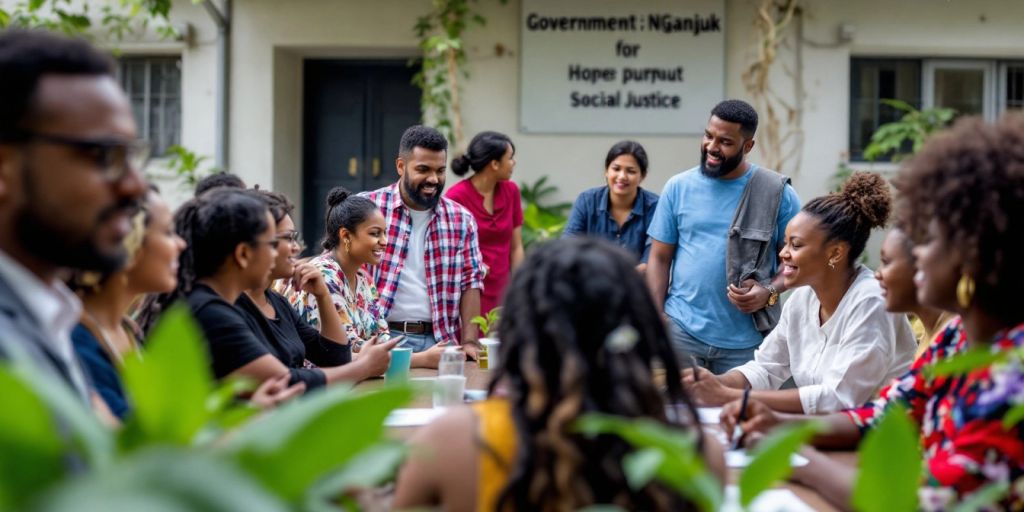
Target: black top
236, 338
297, 340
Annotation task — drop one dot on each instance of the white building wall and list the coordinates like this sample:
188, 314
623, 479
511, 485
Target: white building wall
271, 38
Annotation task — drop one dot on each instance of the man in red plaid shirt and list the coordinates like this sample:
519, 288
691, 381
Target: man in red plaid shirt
432, 271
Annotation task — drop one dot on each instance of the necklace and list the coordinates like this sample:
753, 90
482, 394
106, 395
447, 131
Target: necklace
104, 339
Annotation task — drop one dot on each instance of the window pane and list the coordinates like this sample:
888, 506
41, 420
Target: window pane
962, 90
872, 80
1015, 86
156, 107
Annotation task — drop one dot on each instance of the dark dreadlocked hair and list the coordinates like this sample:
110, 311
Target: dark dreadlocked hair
863, 204
212, 226
279, 204
560, 308
970, 181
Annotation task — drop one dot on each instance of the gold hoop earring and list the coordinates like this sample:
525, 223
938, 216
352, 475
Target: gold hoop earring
965, 291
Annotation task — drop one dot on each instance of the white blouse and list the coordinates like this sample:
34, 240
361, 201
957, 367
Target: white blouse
842, 363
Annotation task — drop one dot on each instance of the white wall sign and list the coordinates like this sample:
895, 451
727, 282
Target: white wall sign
608, 66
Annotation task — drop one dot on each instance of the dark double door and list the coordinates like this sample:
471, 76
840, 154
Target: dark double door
354, 116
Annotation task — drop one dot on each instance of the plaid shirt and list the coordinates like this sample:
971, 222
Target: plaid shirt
453, 259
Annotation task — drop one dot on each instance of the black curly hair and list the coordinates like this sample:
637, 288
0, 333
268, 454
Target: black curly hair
560, 308
970, 181
740, 112
863, 204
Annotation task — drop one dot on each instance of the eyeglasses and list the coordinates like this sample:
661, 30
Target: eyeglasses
293, 237
114, 157
290, 236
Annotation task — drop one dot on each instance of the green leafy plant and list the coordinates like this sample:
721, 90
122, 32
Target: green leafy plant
487, 322
115, 20
541, 221
188, 166
663, 453
889, 461
443, 61
771, 462
188, 441
914, 127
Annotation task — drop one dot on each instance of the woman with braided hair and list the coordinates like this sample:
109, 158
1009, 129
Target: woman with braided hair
564, 354
834, 338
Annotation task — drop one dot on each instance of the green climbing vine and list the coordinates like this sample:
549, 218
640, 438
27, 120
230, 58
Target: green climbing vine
111, 21
443, 61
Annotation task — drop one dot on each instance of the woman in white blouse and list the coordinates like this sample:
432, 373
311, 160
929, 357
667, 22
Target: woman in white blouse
834, 339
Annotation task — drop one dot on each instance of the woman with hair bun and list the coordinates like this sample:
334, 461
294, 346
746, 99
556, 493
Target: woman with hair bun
835, 338
493, 199
355, 237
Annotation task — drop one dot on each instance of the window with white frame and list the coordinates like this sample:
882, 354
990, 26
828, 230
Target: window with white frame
985, 87
153, 85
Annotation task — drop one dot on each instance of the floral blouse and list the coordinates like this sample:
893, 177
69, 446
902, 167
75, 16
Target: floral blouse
962, 435
361, 314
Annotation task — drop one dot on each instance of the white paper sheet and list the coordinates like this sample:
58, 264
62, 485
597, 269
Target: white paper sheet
709, 415
411, 417
740, 459
772, 500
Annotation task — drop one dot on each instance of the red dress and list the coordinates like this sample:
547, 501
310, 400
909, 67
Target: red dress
495, 231
965, 443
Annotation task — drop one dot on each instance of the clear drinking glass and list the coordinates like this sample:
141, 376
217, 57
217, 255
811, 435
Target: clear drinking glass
451, 380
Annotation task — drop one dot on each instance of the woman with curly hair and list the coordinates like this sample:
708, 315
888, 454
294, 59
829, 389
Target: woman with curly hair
834, 338
962, 198
519, 448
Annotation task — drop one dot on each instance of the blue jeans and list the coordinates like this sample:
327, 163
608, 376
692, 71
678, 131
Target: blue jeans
417, 342
717, 360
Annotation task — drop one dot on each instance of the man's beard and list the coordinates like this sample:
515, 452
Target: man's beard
36, 232
414, 195
728, 165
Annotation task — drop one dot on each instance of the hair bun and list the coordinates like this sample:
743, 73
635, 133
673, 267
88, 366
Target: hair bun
870, 196
460, 165
336, 196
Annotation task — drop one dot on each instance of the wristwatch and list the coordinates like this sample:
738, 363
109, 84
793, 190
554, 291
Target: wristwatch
774, 297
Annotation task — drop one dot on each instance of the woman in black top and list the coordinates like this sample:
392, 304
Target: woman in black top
232, 247
296, 343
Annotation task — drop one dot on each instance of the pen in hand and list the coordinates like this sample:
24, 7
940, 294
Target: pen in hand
737, 430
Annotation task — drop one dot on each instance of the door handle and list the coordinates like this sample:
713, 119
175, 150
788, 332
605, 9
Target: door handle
353, 167
376, 167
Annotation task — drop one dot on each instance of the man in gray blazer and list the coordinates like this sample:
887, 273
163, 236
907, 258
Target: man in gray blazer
70, 178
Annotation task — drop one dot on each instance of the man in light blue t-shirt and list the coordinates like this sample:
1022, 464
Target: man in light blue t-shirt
709, 318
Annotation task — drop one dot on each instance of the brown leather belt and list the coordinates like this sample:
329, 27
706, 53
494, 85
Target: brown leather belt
412, 327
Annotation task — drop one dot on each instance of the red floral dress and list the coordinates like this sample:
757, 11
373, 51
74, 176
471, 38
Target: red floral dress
965, 444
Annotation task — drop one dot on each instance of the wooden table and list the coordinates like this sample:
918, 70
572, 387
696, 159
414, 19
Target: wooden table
479, 379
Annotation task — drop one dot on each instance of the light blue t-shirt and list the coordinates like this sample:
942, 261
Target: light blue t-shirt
694, 214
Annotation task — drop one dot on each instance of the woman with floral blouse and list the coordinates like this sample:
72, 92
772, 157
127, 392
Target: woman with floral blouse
356, 237
962, 198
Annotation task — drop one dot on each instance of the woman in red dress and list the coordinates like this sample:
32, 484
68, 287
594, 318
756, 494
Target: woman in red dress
493, 199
